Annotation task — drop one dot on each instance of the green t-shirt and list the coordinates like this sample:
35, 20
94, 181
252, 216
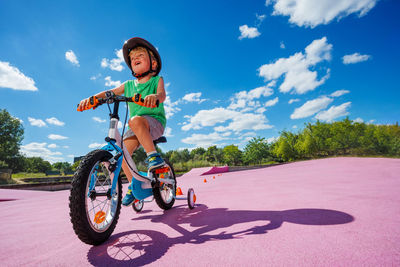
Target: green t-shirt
150, 87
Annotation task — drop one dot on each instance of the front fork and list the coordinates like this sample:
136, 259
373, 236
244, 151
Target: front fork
114, 167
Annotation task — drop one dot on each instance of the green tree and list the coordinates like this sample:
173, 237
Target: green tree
211, 154
175, 157
37, 164
139, 155
256, 150
197, 153
285, 148
185, 155
232, 155
11, 135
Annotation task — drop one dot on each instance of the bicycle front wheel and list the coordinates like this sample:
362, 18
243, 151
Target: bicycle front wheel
94, 210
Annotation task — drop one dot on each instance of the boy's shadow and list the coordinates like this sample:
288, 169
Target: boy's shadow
139, 247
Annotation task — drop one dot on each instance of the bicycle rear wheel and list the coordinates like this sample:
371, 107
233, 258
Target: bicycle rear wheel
164, 194
94, 211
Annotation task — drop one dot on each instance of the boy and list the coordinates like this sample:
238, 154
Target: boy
147, 123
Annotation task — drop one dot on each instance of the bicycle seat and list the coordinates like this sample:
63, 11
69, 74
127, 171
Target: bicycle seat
162, 139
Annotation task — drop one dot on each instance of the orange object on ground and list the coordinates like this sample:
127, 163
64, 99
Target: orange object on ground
179, 191
99, 217
213, 177
205, 180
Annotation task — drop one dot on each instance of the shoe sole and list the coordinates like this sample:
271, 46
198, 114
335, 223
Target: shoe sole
156, 166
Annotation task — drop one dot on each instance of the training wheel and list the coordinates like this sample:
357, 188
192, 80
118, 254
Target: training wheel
191, 198
138, 205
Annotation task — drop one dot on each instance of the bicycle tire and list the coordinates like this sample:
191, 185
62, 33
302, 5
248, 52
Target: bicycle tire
157, 193
78, 195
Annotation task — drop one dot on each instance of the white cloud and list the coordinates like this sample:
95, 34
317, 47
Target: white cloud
339, 93
246, 121
97, 145
296, 68
248, 32
170, 107
311, 107
311, 13
11, 77
56, 137
355, 58
272, 139
111, 83
359, 120
52, 146
115, 63
209, 118
204, 140
168, 132
71, 57
95, 77
97, 119
333, 112
282, 45
35, 149
36, 122
293, 100
245, 99
260, 19
65, 146
193, 97
55, 121
240, 121
272, 102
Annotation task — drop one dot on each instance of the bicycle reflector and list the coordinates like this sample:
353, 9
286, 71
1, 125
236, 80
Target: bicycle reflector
162, 170
99, 217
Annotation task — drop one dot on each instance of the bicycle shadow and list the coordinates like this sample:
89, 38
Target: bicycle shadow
139, 247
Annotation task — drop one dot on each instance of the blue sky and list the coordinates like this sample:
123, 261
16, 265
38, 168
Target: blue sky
233, 70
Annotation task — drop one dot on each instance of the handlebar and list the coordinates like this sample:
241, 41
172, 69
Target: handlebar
94, 101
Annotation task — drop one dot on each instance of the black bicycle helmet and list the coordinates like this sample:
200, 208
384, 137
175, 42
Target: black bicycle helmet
135, 42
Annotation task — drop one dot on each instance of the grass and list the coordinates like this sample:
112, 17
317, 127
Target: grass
21, 175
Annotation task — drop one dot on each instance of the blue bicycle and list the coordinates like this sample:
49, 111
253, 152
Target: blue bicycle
96, 193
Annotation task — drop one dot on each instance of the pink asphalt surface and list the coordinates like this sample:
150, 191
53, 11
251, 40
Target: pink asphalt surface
329, 212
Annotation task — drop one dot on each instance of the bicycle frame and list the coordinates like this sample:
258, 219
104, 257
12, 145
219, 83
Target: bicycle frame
141, 184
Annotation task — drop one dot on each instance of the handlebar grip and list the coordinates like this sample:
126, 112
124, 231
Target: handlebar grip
137, 99
93, 103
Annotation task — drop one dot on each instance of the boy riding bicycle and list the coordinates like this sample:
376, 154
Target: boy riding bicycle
147, 122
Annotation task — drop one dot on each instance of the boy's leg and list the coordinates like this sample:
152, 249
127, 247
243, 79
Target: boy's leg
131, 144
142, 131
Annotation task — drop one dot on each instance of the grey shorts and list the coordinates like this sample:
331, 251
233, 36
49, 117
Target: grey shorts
156, 128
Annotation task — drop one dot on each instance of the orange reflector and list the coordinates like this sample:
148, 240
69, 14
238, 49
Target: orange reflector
213, 177
205, 180
100, 217
194, 198
162, 170
179, 191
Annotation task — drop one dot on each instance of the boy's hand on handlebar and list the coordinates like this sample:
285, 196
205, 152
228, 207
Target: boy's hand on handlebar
87, 103
150, 101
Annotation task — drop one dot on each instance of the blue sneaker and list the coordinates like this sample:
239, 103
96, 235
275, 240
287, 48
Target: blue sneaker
153, 161
129, 198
